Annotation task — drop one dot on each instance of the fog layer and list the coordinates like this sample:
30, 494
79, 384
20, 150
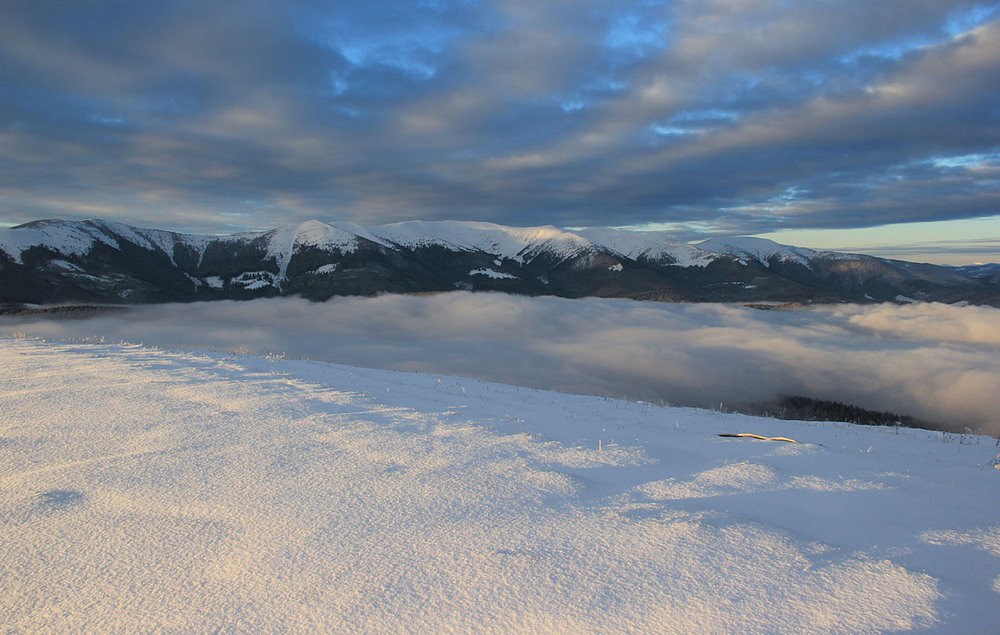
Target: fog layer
936, 362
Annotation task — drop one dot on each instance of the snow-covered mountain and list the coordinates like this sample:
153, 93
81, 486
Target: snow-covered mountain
60, 261
750, 249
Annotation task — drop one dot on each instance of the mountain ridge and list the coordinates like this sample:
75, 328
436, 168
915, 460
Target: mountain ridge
50, 261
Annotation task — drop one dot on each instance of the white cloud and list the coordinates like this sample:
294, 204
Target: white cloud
937, 362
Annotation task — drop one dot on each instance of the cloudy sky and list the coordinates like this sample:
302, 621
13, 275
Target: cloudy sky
880, 120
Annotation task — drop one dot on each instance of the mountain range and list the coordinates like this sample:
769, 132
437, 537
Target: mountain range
57, 261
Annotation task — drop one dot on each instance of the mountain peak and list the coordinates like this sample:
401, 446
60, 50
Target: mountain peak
762, 250
59, 261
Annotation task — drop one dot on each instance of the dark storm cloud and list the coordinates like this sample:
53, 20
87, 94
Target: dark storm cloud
930, 360
744, 117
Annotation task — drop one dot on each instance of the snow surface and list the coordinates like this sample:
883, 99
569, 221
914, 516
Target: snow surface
507, 242
283, 242
75, 240
653, 245
491, 273
78, 237
758, 249
144, 490
254, 279
148, 238
68, 266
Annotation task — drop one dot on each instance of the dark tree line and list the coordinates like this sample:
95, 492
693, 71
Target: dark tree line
809, 409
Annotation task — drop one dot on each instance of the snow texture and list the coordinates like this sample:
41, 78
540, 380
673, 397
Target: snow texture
56, 236
761, 250
655, 246
78, 237
144, 490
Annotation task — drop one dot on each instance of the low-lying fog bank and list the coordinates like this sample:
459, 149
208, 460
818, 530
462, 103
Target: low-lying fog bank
935, 362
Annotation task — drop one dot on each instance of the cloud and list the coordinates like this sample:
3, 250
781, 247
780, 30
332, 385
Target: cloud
201, 116
932, 361
930, 324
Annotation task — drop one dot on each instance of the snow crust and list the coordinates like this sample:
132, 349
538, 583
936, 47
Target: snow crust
144, 490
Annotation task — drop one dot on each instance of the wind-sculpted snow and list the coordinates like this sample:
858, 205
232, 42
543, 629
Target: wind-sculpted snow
144, 490
937, 362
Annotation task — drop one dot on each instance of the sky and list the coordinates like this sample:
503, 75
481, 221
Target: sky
825, 123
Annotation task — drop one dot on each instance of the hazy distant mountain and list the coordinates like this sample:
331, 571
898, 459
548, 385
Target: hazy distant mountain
986, 273
53, 261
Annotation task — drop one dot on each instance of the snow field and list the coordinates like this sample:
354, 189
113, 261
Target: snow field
144, 490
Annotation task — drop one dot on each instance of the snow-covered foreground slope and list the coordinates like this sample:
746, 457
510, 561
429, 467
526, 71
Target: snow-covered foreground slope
144, 490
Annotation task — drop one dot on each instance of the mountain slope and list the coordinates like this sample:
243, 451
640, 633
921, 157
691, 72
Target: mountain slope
99, 261
196, 492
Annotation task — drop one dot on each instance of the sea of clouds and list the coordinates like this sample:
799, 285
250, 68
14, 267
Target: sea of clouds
936, 362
